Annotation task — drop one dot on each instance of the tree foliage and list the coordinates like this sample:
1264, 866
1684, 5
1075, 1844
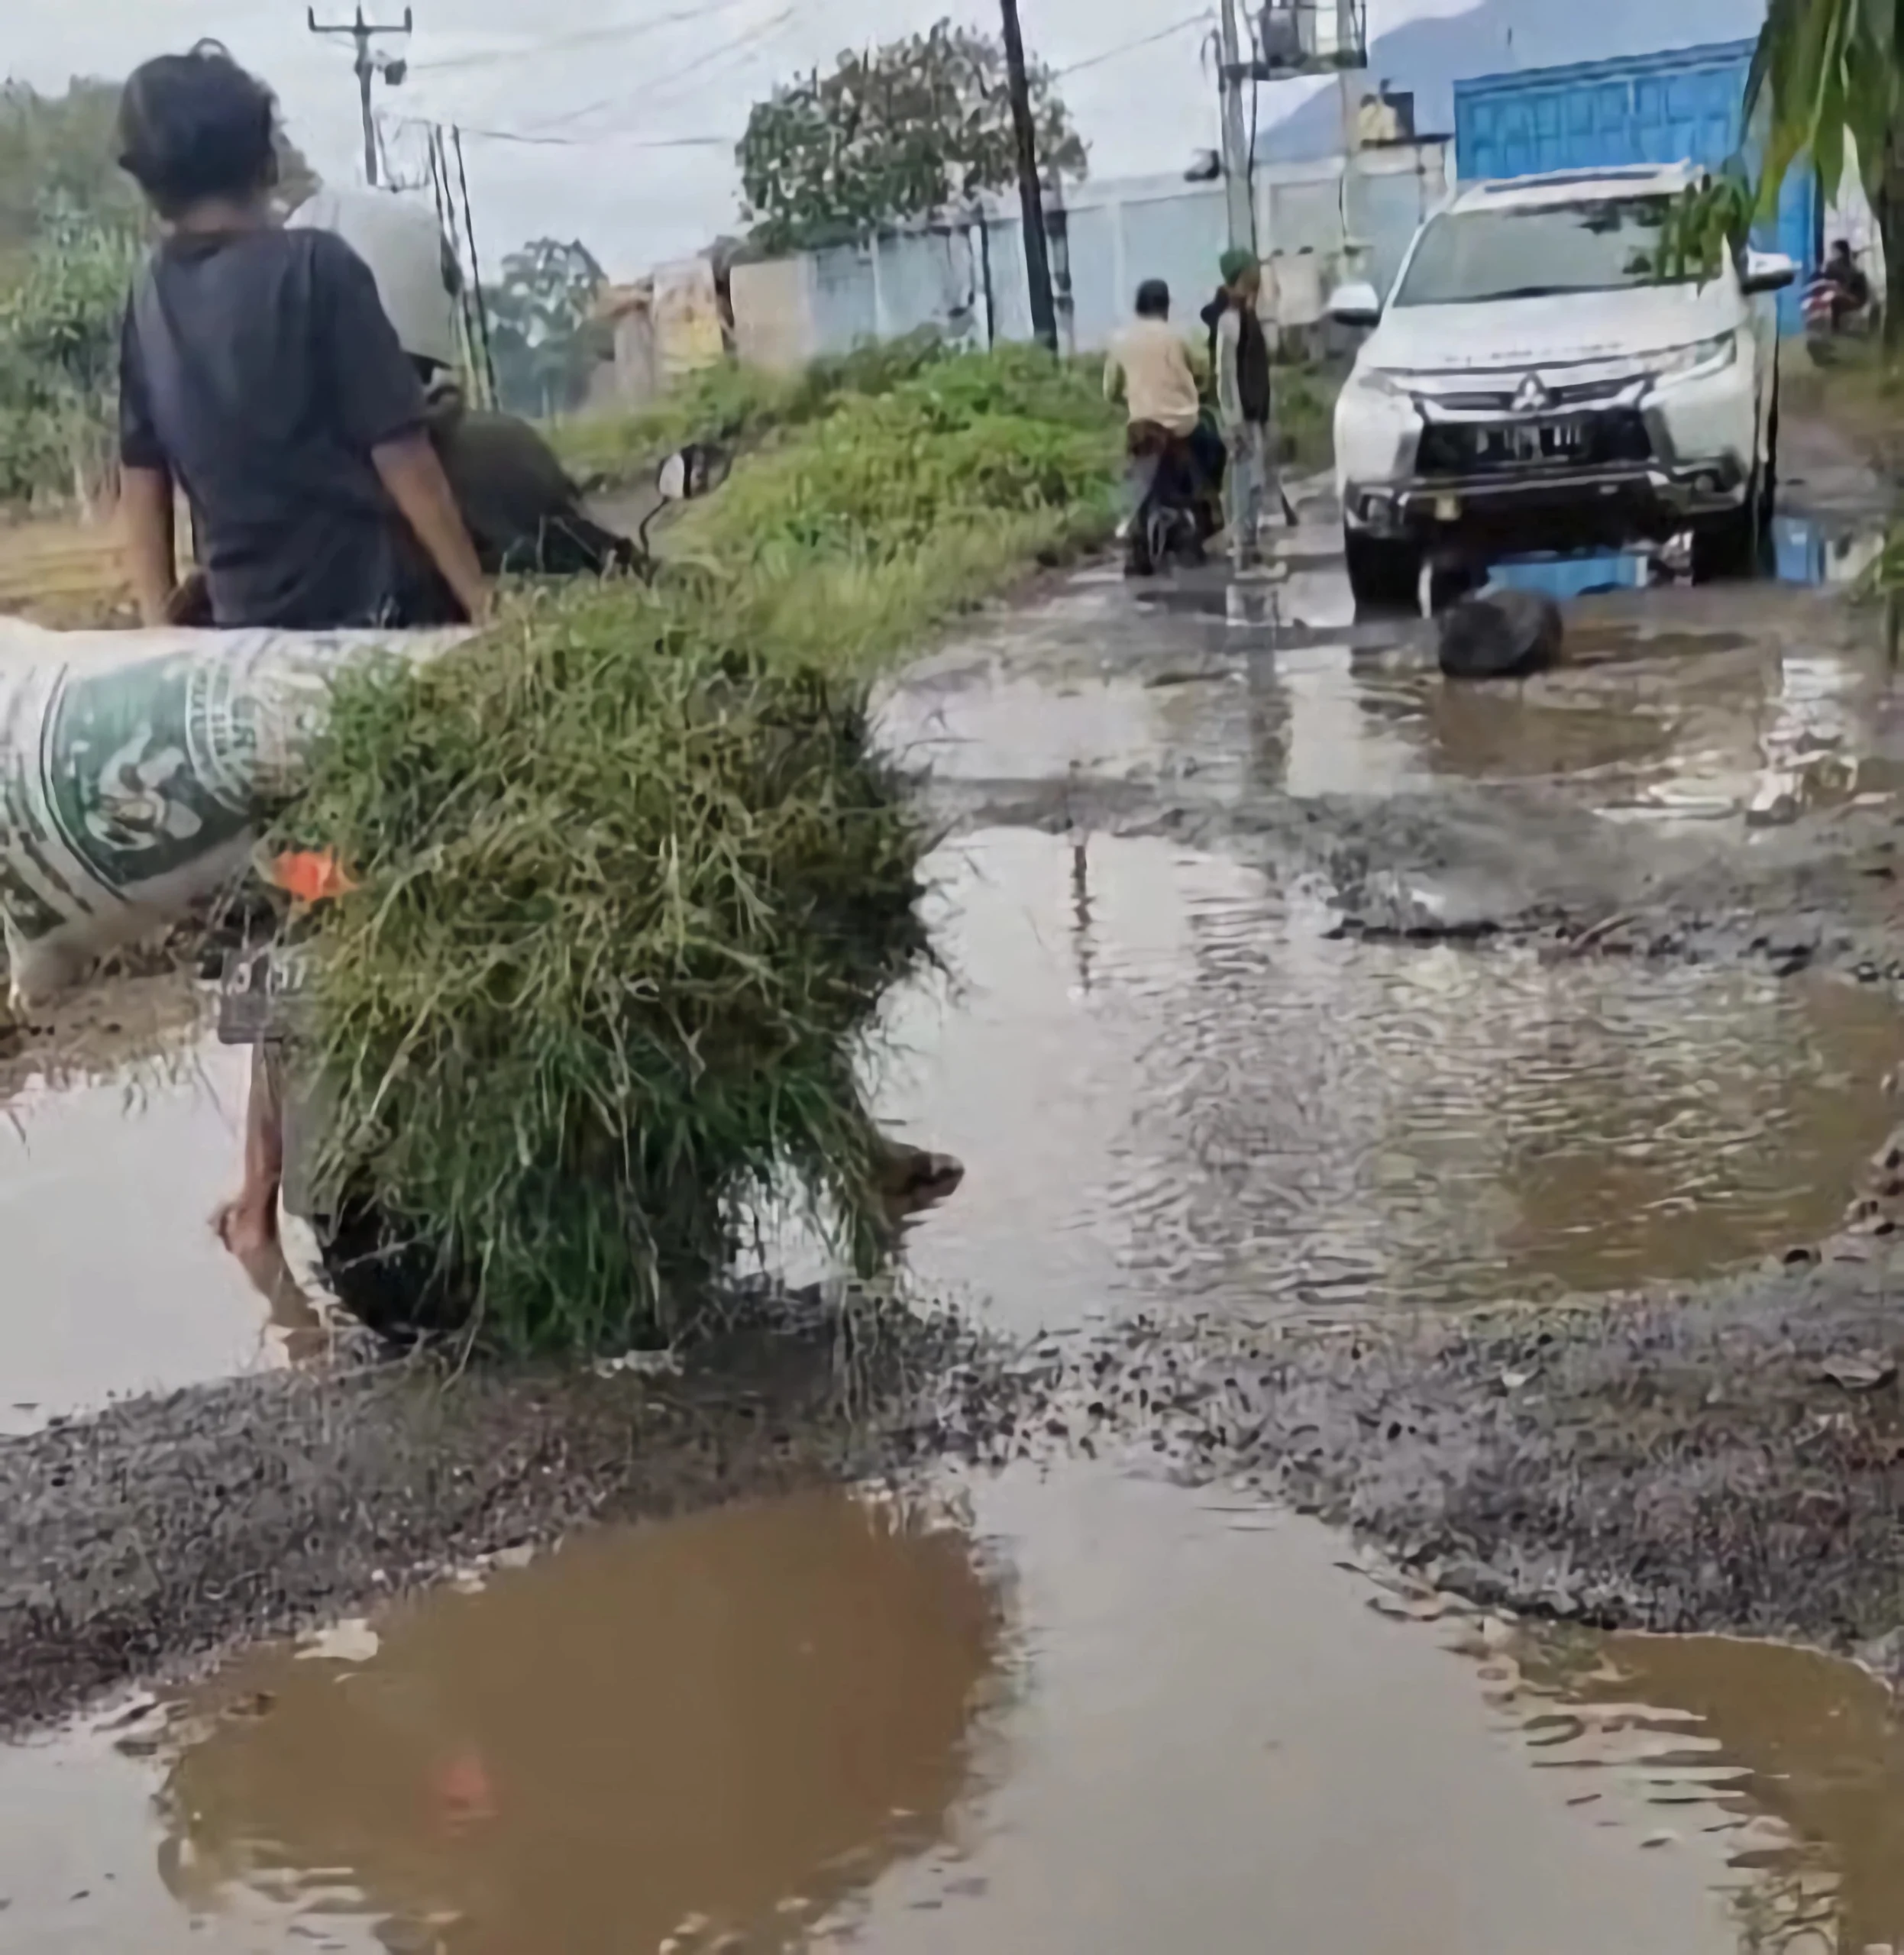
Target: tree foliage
59, 321
59, 153
905, 131
543, 333
1827, 85
1824, 82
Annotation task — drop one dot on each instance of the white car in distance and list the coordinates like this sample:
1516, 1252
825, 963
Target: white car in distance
1535, 383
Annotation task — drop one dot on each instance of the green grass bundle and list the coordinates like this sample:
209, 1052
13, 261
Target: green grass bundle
628, 902
634, 879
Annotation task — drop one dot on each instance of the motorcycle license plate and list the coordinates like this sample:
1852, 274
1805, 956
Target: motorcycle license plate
1534, 440
261, 993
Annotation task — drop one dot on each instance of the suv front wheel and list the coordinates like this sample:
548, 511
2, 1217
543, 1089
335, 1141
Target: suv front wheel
1383, 574
1740, 545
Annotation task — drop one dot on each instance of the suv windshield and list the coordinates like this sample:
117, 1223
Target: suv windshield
1599, 244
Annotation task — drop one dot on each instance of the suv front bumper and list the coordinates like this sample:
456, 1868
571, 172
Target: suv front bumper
1551, 507
1694, 466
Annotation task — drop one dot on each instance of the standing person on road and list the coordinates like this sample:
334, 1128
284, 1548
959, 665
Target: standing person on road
1241, 350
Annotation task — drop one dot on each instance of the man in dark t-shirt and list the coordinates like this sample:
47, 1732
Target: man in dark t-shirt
259, 374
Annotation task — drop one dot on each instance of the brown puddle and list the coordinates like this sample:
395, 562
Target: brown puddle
1171, 1088
1795, 1763
1073, 1713
1744, 702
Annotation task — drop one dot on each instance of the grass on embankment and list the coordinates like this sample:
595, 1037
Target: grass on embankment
632, 880
739, 405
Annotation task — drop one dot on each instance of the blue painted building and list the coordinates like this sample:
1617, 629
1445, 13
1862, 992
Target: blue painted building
1684, 104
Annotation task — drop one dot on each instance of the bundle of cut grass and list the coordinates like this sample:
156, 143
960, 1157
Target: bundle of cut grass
633, 881
628, 900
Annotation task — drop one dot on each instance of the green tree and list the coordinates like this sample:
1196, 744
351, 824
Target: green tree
543, 334
906, 131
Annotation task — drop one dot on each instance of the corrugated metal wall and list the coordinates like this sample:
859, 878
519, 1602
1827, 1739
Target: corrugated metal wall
1682, 105
1316, 220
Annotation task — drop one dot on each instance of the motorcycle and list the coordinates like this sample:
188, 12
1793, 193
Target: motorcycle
387, 1275
1175, 507
1830, 315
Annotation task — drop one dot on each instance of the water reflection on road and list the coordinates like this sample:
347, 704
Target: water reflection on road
1068, 1713
1673, 705
1173, 1088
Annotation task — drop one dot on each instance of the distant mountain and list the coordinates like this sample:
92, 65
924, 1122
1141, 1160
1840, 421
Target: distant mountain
1431, 56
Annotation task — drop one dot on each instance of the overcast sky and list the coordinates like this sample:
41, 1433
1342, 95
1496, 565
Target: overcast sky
595, 81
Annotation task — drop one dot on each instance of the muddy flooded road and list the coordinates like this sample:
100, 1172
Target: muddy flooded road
1077, 1709
1063, 1714
1069, 1712
1173, 1089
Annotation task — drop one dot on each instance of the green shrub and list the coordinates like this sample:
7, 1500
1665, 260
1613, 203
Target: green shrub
734, 404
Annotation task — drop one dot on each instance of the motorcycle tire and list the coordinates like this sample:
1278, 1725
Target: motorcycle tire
396, 1284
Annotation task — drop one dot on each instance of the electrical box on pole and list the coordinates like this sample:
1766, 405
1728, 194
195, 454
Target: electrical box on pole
1299, 37
370, 64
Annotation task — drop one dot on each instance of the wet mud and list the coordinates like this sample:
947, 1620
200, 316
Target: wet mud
141, 1540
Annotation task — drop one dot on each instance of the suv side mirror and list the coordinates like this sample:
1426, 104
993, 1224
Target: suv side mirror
1766, 271
1358, 304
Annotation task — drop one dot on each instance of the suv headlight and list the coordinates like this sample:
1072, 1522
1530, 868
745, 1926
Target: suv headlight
1699, 361
1373, 380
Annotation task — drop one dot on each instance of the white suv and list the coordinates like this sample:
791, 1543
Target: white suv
1534, 383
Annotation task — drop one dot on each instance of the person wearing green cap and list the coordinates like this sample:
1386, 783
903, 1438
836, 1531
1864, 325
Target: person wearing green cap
1240, 351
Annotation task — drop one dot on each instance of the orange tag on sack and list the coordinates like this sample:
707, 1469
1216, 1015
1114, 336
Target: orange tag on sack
310, 875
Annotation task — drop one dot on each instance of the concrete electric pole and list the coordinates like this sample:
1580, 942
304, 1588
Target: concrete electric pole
1044, 312
363, 34
1237, 161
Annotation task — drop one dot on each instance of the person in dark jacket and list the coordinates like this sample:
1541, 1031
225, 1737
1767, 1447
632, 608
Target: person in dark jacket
1242, 361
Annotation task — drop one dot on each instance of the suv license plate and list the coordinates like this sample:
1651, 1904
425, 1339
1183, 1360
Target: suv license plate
1536, 441
261, 993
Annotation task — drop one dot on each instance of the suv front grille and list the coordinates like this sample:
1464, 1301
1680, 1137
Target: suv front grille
1583, 440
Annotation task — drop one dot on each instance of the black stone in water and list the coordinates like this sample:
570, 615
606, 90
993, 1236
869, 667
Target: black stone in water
1505, 634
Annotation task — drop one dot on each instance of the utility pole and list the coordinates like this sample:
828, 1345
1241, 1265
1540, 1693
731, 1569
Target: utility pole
369, 65
1044, 314
1238, 163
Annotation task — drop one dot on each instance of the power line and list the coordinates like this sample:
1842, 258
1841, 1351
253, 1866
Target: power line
588, 37
1131, 47
700, 63
627, 136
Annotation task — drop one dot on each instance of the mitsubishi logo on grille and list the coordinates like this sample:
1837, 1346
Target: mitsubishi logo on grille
1531, 397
